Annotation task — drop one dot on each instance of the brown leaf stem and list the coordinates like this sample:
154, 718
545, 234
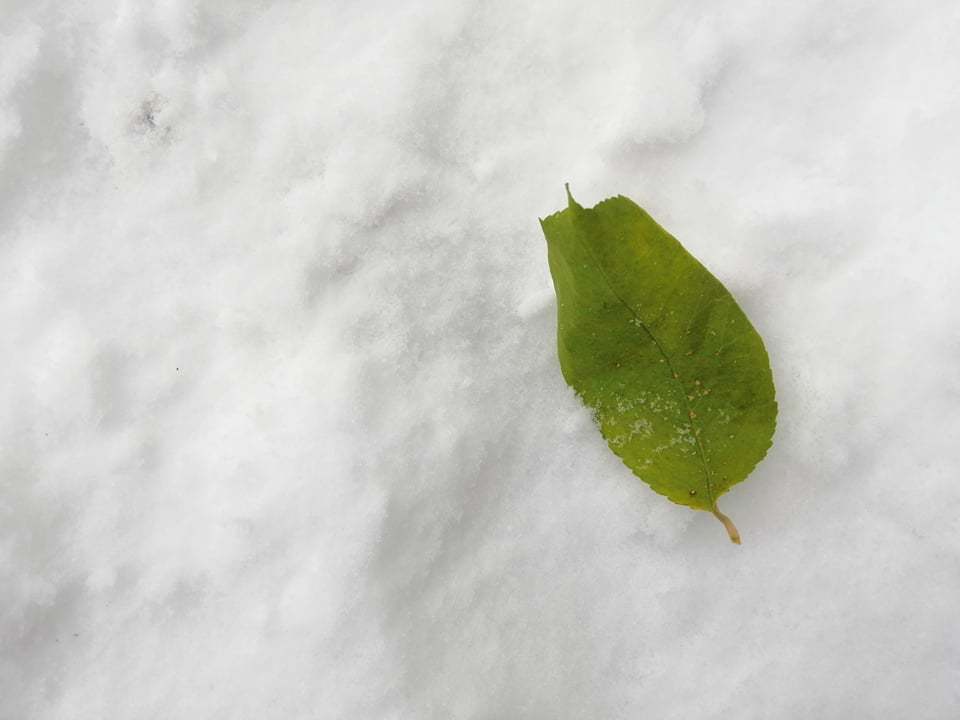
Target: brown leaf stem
728, 524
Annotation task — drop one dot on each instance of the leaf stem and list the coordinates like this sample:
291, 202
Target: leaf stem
728, 524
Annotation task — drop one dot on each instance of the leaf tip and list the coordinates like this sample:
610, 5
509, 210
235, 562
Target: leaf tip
571, 203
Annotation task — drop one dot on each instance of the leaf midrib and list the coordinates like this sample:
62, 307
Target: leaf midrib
673, 373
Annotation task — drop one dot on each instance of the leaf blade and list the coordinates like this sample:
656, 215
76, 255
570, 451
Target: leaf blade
677, 377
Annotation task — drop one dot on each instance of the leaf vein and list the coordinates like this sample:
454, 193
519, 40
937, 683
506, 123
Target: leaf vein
673, 373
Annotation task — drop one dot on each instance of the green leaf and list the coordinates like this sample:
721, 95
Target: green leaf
677, 377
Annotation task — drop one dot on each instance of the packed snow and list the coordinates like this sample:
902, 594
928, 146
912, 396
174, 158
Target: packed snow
282, 429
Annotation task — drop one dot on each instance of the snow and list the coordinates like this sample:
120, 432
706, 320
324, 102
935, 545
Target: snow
283, 432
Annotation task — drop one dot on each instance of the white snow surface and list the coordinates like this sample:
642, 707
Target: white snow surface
283, 432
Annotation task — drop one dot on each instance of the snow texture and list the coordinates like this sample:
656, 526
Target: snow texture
283, 433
